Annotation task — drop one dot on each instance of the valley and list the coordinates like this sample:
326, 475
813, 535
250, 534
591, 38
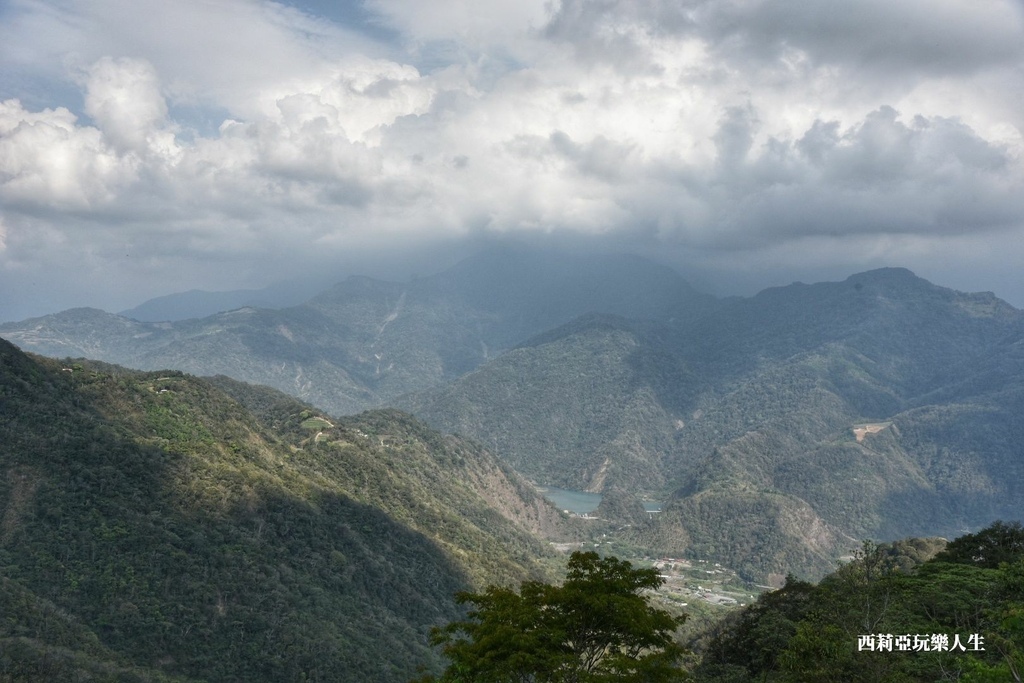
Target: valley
557, 341
776, 431
593, 405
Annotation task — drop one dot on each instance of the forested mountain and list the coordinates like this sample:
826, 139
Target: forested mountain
778, 428
580, 407
152, 526
364, 341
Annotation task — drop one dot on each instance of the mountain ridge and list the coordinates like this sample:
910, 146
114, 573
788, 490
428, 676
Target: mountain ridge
751, 416
363, 342
745, 404
187, 538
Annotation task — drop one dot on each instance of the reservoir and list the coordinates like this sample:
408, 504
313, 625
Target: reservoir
579, 502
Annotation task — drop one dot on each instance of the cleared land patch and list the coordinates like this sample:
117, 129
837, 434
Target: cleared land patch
318, 423
862, 430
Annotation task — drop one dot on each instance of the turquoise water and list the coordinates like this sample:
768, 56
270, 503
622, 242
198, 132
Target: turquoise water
579, 502
582, 502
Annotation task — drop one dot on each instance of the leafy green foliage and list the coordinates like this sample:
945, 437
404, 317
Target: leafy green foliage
995, 544
752, 639
811, 633
775, 428
596, 626
150, 525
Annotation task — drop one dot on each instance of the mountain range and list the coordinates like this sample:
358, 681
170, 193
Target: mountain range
198, 303
363, 342
775, 430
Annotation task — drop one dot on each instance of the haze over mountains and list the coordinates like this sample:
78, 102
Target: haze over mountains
197, 303
364, 342
209, 514
776, 429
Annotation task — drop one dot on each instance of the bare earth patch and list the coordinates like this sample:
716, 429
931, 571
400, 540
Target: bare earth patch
862, 430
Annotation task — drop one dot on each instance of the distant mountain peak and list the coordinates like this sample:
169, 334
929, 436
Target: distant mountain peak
887, 272
87, 312
893, 276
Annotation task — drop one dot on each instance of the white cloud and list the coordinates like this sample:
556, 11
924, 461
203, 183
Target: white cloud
239, 55
123, 98
749, 128
49, 162
366, 95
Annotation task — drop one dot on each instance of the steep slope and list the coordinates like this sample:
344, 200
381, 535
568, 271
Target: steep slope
780, 428
41, 642
467, 470
364, 342
578, 407
176, 533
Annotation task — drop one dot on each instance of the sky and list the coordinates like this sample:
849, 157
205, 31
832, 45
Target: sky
149, 147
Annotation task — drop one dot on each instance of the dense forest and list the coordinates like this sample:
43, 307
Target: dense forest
775, 430
154, 527
890, 615
912, 611
161, 527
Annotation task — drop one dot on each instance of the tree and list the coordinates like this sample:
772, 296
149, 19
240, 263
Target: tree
597, 626
754, 637
997, 543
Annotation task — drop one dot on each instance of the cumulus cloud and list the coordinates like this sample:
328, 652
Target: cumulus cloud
235, 55
929, 175
123, 98
48, 162
760, 130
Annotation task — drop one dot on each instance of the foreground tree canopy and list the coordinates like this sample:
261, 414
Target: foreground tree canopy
597, 626
958, 616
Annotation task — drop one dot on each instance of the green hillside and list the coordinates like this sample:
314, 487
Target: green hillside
576, 408
152, 526
778, 429
775, 430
